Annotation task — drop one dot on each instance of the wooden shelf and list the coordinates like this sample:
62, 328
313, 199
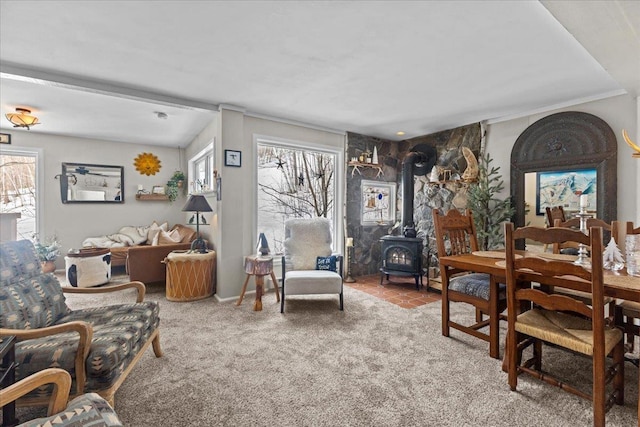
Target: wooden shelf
152, 197
357, 165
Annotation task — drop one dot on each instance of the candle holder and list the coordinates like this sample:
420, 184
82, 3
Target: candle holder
583, 253
349, 279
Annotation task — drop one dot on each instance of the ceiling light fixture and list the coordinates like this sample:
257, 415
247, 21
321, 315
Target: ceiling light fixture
400, 133
161, 115
22, 118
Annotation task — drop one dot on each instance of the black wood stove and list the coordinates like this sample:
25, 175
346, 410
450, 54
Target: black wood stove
402, 255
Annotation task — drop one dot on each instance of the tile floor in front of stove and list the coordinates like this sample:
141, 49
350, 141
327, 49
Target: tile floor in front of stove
397, 290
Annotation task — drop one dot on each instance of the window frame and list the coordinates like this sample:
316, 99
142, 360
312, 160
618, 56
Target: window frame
339, 183
207, 154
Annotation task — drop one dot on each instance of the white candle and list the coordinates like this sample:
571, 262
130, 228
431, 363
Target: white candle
140, 187
349, 242
584, 200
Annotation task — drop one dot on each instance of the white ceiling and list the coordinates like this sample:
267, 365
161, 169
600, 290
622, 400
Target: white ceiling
100, 69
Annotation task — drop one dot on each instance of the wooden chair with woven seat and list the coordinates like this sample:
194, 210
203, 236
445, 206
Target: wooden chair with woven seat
629, 311
477, 289
553, 213
612, 229
536, 316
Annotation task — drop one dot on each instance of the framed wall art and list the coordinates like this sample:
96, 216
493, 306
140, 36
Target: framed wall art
5, 138
378, 202
232, 158
564, 188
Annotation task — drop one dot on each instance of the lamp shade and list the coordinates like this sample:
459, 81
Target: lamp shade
197, 203
22, 118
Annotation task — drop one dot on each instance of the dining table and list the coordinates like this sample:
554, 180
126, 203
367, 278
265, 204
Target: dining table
617, 284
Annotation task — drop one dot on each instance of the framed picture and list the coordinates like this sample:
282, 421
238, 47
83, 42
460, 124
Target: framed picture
564, 188
378, 202
158, 189
5, 138
232, 158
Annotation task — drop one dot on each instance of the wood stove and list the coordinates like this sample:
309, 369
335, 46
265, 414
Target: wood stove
402, 255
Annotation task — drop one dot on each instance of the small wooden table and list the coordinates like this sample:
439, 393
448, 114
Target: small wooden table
258, 266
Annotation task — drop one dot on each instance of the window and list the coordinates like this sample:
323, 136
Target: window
201, 171
19, 184
293, 182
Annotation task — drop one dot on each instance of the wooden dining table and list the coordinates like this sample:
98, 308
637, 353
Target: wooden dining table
617, 284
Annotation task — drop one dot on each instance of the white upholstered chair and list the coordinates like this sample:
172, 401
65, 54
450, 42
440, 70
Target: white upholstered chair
306, 240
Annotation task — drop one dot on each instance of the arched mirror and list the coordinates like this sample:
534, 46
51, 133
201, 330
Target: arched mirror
563, 143
87, 183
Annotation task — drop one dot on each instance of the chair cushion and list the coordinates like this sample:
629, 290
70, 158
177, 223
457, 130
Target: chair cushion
88, 409
119, 331
630, 309
565, 330
33, 302
306, 282
305, 240
18, 260
474, 284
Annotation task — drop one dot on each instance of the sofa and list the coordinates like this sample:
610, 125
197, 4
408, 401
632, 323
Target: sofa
142, 249
98, 346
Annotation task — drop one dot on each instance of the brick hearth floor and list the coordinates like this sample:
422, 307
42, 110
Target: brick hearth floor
397, 290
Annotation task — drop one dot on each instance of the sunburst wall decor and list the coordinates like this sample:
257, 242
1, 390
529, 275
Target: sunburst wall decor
147, 164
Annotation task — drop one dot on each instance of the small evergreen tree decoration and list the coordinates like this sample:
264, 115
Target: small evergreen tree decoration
612, 257
489, 212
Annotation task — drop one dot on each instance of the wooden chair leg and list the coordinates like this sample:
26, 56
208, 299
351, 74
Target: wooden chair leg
618, 380
445, 308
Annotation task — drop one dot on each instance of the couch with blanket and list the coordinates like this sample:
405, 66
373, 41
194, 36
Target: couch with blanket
98, 346
141, 249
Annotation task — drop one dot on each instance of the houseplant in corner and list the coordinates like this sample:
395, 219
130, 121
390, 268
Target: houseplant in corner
489, 211
48, 251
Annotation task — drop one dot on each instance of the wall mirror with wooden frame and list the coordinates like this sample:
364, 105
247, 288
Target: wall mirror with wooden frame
90, 183
566, 141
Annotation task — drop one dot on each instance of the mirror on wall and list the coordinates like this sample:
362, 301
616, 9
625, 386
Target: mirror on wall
88, 183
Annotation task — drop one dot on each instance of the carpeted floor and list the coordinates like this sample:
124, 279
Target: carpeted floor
375, 364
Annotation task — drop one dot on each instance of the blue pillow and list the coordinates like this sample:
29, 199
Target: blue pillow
326, 263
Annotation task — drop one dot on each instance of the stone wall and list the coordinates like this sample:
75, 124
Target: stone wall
448, 192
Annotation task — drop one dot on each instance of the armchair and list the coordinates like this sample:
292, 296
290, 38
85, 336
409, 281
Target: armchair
305, 241
97, 346
88, 409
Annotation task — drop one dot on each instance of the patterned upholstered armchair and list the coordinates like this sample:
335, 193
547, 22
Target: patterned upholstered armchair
97, 346
86, 410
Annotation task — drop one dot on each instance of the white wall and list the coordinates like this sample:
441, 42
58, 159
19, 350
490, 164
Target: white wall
73, 222
620, 112
235, 235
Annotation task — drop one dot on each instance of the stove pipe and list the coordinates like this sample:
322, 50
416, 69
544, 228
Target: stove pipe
418, 161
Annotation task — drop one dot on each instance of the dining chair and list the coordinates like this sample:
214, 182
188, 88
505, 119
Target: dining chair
553, 213
629, 311
456, 235
611, 229
536, 316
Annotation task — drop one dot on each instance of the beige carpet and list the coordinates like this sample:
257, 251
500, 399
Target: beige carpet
375, 364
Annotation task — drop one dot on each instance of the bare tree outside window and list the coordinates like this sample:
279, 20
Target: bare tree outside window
292, 183
18, 191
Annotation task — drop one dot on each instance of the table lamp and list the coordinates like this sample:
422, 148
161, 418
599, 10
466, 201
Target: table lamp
197, 203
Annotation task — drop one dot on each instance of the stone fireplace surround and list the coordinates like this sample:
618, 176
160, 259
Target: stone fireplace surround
447, 193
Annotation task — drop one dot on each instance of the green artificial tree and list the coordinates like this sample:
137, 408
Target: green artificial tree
489, 211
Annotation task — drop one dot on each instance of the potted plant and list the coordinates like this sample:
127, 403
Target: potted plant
48, 251
489, 211
178, 177
172, 190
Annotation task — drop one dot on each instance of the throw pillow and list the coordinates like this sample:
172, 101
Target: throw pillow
326, 263
154, 229
166, 238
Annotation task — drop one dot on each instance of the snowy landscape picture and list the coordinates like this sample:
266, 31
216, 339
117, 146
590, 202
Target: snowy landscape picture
564, 188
